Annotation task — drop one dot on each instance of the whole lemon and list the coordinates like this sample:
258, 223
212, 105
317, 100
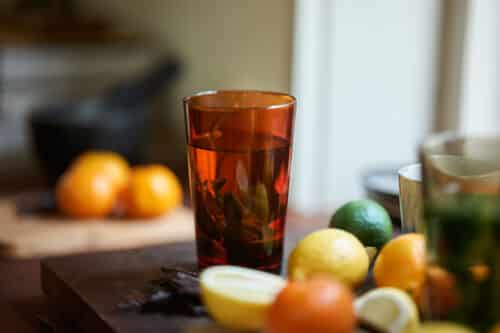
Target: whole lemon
333, 252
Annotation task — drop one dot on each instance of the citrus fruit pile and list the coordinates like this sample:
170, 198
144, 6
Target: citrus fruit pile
324, 271
99, 183
246, 299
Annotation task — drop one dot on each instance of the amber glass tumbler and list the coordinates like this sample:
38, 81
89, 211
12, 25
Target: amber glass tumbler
239, 151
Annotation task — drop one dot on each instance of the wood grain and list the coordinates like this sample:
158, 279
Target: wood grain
27, 235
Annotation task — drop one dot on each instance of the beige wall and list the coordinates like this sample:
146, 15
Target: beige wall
224, 43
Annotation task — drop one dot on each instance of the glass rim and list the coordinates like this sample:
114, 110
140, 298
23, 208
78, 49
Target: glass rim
214, 92
436, 139
408, 172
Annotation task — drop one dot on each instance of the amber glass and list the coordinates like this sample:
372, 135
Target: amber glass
239, 151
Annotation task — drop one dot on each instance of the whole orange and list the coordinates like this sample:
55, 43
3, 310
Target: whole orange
107, 163
401, 264
318, 305
82, 193
152, 191
439, 294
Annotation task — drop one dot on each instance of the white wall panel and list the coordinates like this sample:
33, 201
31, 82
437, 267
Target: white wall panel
364, 77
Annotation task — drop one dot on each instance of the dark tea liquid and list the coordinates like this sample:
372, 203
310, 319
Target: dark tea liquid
464, 232
239, 187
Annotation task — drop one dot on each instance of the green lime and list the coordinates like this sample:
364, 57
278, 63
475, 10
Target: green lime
365, 219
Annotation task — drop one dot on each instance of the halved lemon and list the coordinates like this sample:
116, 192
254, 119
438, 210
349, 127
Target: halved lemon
238, 298
388, 309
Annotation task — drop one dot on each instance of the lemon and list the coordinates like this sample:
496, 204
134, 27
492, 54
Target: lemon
443, 327
333, 252
388, 309
238, 298
365, 219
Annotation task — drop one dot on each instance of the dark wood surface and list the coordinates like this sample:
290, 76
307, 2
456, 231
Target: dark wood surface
22, 300
88, 288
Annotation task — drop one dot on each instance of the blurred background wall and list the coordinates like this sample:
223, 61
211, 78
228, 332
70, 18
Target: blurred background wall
365, 77
372, 78
220, 44
223, 43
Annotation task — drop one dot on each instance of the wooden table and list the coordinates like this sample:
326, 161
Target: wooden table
23, 307
21, 298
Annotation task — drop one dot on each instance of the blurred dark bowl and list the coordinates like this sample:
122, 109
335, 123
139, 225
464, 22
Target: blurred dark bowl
116, 121
382, 185
60, 133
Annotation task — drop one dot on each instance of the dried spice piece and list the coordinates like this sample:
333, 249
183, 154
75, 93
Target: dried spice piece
182, 282
177, 292
174, 305
367, 327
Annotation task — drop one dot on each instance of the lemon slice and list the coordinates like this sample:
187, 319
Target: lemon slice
388, 309
238, 298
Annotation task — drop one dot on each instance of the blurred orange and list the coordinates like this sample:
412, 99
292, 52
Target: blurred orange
439, 294
480, 272
496, 328
83, 193
401, 264
153, 190
108, 163
318, 305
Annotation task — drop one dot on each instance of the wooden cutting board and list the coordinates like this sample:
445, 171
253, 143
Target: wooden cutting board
86, 290
29, 227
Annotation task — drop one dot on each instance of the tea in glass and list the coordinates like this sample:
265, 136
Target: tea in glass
239, 151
